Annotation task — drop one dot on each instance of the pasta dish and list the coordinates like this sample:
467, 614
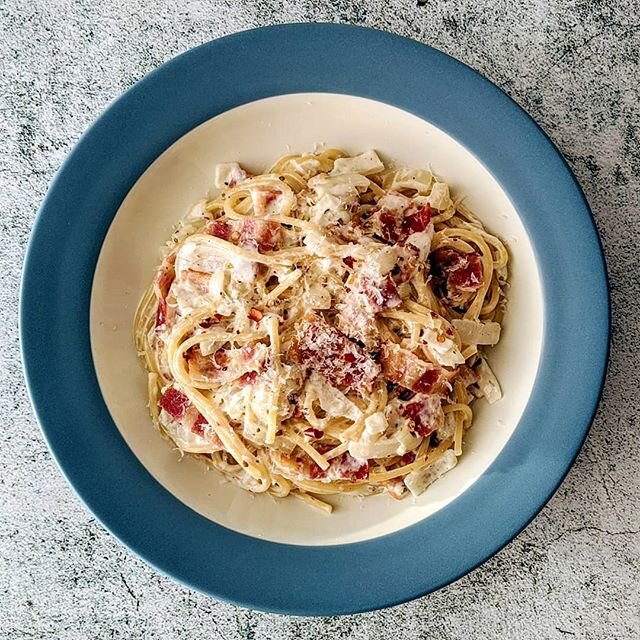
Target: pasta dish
319, 329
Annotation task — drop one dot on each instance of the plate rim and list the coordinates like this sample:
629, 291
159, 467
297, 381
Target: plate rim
291, 596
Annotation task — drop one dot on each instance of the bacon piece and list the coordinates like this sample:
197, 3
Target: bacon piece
199, 427
313, 433
322, 348
199, 424
466, 375
417, 222
226, 365
468, 274
396, 226
188, 419
344, 467
205, 366
207, 323
247, 353
459, 272
220, 229
261, 235
255, 314
164, 279
390, 226
408, 458
263, 199
406, 369
371, 293
161, 313
425, 414
175, 403
427, 381
357, 319
381, 295
249, 377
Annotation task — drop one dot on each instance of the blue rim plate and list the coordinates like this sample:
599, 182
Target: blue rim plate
61, 259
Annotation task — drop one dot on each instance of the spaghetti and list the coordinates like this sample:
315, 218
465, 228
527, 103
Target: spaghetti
319, 329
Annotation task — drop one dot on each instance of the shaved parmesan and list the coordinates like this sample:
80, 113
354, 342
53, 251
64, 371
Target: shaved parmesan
473, 333
418, 179
343, 186
380, 449
229, 174
366, 163
418, 481
488, 383
439, 197
394, 202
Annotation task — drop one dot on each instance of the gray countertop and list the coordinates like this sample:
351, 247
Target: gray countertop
575, 571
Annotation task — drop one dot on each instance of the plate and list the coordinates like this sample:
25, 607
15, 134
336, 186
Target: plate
251, 97
182, 175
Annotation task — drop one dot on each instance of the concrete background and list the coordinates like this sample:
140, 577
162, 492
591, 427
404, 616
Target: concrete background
574, 65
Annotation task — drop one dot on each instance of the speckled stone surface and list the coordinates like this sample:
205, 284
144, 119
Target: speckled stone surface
575, 571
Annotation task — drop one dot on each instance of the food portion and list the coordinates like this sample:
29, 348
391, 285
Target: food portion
319, 329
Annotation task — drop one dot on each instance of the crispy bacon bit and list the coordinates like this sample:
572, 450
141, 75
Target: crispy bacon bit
349, 261
174, 402
466, 375
247, 352
220, 358
426, 382
211, 322
322, 348
313, 434
344, 467
381, 295
249, 377
468, 276
425, 414
225, 365
323, 447
261, 235
417, 222
199, 424
255, 314
395, 226
390, 226
370, 294
220, 229
207, 366
165, 276
262, 199
164, 279
408, 458
199, 427
404, 368
458, 272
161, 313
